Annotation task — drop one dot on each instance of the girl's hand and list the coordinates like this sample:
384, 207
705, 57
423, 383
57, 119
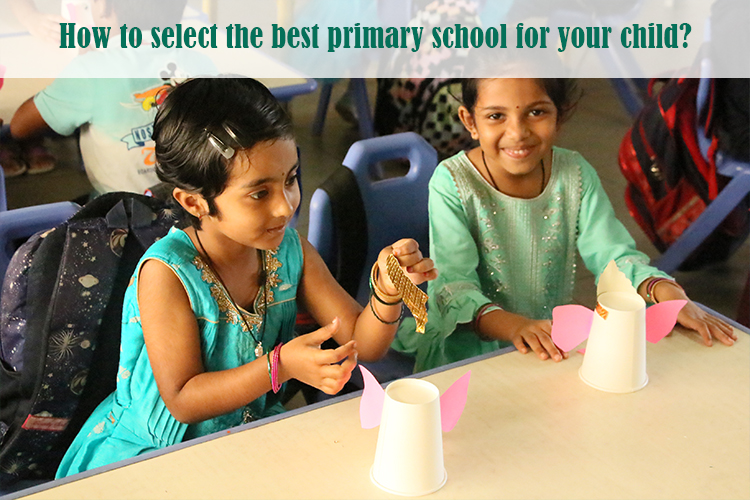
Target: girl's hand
417, 268
708, 326
536, 334
693, 317
304, 360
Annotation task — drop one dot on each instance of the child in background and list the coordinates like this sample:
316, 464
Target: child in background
208, 319
115, 115
506, 220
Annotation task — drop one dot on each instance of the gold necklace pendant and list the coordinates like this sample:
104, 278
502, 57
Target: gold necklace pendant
259, 350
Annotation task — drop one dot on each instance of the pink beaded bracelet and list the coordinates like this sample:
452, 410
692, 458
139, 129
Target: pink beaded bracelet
275, 385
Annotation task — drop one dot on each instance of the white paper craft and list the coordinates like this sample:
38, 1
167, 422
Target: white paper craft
412, 415
615, 357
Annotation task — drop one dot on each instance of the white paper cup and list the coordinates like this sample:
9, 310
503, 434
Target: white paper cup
615, 359
409, 454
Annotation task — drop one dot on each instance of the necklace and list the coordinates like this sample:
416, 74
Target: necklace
492, 179
262, 278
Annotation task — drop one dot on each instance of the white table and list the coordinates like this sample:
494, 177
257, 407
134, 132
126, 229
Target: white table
530, 429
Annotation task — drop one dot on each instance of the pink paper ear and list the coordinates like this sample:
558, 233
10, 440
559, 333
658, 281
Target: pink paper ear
453, 401
570, 325
660, 319
371, 404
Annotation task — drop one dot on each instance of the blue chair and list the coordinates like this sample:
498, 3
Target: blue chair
727, 200
287, 92
394, 208
21, 223
618, 61
358, 89
391, 209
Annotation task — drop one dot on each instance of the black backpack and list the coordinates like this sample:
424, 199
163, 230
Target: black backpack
60, 327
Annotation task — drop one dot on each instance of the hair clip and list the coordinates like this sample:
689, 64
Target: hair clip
230, 133
226, 151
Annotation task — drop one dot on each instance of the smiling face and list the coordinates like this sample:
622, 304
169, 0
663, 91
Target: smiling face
515, 122
260, 198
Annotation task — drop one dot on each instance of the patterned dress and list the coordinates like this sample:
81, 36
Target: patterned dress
134, 419
518, 253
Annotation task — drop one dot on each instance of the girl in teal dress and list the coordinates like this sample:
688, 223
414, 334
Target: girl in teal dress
506, 221
208, 318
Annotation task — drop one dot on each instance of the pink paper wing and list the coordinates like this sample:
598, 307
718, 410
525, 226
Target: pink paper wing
570, 325
660, 319
452, 402
371, 404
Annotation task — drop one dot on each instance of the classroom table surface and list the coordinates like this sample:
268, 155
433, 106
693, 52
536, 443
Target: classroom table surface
530, 429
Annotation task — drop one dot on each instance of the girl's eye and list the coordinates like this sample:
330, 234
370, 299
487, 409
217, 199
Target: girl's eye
496, 116
537, 112
292, 178
259, 195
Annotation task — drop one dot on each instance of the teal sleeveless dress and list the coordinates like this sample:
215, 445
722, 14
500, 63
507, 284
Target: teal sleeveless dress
134, 419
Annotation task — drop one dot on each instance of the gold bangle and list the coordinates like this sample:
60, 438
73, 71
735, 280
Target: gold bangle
380, 294
669, 282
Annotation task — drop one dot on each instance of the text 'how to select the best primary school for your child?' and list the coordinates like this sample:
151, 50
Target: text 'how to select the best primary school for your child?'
456, 36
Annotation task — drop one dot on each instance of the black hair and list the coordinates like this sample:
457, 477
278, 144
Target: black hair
563, 92
146, 14
198, 118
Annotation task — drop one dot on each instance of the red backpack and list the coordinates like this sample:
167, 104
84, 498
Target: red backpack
669, 180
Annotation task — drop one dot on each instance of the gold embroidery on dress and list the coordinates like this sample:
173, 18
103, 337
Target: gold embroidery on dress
221, 296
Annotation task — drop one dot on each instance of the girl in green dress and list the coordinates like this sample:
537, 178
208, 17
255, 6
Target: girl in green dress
506, 221
208, 319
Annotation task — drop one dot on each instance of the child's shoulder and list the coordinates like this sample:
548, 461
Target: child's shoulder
447, 169
567, 158
175, 246
291, 243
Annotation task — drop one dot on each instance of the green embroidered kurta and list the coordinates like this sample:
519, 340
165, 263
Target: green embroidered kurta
518, 253
134, 419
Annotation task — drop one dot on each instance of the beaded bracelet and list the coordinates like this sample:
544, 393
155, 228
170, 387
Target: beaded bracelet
652, 284
377, 292
275, 385
372, 308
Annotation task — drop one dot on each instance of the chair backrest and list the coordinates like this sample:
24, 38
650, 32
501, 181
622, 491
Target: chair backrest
394, 207
21, 223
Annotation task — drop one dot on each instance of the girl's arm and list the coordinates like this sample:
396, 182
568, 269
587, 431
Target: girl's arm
691, 316
525, 333
325, 300
460, 297
172, 339
604, 238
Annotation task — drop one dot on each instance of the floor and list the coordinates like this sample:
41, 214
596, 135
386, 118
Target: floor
595, 130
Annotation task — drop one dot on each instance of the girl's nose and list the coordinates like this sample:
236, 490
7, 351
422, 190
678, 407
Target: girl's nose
517, 128
285, 204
